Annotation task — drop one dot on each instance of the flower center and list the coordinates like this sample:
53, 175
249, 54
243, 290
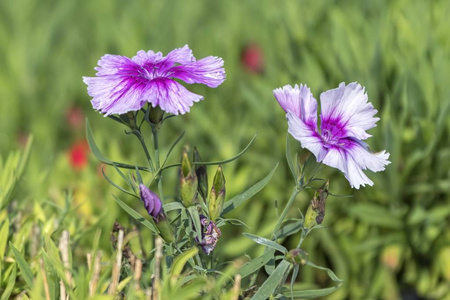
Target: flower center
328, 138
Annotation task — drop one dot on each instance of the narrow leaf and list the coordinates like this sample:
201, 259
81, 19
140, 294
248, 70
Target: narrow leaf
241, 198
136, 215
97, 153
27, 274
196, 220
179, 263
221, 162
172, 206
289, 157
266, 242
312, 294
271, 284
3, 238
255, 264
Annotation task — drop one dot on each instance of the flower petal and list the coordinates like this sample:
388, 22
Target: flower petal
208, 71
352, 157
118, 86
345, 112
300, 101
171, 96
306, 135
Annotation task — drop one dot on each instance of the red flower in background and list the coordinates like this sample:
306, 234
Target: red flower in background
252, 58
78, 155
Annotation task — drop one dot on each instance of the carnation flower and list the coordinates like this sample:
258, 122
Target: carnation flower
123, 84
345, 117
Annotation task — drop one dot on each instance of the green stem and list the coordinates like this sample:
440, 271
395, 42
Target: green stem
147, 154
156, 145
295, 192
305, 232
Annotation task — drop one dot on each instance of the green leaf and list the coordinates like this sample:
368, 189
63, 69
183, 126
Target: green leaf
221, 162
11, 283
255, 264
329, 272
136, 215
3, 238
27, 274
171, 149
241, 198
289, 157
196, 220
311, 294
117, 186
289, 229
172, 206
266, 242
271, 284
179, 263
97, 153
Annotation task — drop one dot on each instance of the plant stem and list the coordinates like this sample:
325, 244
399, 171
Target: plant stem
295, 192
155, 130
147, 154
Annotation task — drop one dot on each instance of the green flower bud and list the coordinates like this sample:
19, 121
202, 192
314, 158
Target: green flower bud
297, 257
188, 182
165, 229
155, 115
217, 195
200, 171
129, 119
316, 210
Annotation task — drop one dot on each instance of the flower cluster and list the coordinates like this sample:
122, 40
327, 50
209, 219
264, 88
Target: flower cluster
123, 84
345, 117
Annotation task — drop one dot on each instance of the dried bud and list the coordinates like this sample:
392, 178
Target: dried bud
297, 256
202, 176
188, 182
217, 195
316, 211
210, 235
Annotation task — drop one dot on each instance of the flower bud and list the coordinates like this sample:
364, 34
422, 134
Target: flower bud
210, 235
155, 115
217, 195
202, 176
297, 256
188, 182
129, 119
316, 211
153, 205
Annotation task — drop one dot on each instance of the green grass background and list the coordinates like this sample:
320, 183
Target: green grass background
386, 241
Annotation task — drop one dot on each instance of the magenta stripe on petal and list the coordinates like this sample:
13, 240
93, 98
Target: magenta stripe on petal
123, 84
346, 115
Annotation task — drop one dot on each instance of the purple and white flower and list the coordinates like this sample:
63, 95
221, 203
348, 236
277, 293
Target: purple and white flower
345, 116
123, 84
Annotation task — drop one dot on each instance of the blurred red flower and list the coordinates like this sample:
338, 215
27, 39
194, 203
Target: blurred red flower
78, 155
252, 58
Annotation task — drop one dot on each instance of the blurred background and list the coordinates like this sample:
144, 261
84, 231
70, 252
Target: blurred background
388, 241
